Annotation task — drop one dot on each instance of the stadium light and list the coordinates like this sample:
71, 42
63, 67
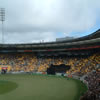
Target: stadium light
2, 19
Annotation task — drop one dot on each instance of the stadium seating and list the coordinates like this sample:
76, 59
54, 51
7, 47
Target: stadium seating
30, 62
93, 80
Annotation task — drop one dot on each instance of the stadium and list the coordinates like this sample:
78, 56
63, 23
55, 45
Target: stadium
63, 70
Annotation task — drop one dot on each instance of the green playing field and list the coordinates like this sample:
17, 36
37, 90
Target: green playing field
39, 87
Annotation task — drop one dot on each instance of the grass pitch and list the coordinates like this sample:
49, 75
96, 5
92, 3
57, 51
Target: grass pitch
39, 87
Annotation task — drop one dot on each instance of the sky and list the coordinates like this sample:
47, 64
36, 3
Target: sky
29, 21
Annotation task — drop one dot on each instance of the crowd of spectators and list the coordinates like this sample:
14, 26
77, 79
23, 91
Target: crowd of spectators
84, 65
31, 63
18, 62
93, 81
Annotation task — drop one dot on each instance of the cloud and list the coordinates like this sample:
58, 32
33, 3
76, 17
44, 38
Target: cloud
34, 20
32, 37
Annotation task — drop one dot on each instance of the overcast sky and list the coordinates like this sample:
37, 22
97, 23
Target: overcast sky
35, 20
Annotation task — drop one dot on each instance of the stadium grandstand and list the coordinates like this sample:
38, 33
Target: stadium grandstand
79, 57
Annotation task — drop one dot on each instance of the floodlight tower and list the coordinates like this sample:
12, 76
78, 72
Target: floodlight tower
2, 19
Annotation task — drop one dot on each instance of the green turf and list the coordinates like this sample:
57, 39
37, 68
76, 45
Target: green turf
6, 86
37, 87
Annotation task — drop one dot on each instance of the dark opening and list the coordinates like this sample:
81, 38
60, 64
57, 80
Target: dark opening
57, 69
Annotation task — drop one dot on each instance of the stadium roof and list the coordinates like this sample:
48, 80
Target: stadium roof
87, 42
